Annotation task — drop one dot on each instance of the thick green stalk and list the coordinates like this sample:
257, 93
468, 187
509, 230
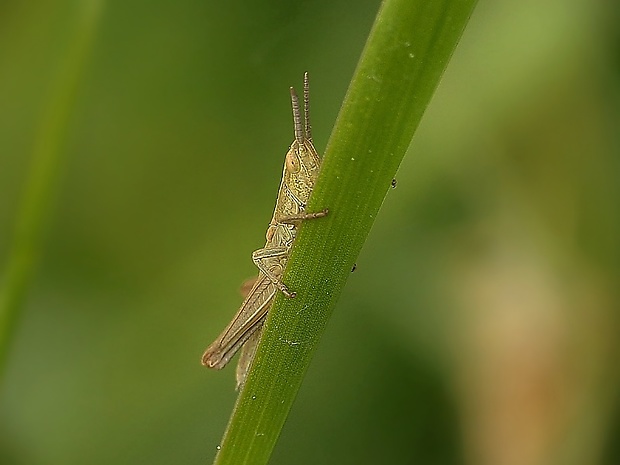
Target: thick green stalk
407, 51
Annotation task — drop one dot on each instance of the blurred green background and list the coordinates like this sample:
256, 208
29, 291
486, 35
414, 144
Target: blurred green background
481, 324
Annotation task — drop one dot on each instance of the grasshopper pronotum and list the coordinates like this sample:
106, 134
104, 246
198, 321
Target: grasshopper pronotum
301, 168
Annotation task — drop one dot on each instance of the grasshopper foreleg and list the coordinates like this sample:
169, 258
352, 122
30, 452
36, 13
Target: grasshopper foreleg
293, 219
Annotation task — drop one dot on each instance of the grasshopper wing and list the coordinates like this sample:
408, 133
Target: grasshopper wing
246, 322
248, 351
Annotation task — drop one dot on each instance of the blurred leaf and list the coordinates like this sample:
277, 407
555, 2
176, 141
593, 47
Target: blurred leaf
44, 173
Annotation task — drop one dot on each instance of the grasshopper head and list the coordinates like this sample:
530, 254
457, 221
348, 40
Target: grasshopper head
302, 162
301, 169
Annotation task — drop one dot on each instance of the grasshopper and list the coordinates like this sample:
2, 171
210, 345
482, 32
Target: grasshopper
301, 168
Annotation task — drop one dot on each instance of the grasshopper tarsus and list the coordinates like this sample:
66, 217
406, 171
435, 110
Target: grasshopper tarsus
311, 216
320, 214
292, 219
286, 292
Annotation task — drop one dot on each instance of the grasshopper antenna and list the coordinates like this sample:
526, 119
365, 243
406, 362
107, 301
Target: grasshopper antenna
307, 128
299, 133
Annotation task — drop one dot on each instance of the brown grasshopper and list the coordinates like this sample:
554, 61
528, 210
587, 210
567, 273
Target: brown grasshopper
301, 168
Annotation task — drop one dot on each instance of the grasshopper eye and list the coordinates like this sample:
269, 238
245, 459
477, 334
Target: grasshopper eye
292, 162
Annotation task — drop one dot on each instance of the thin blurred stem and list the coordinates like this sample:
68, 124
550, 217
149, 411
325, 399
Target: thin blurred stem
43, 179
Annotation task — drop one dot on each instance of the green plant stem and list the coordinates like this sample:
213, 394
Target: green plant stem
42, 182
407, 51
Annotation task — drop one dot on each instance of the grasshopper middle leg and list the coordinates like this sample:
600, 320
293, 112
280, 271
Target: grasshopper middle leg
261, 257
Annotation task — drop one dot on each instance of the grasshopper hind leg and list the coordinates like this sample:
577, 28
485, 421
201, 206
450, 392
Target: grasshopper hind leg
248, 351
